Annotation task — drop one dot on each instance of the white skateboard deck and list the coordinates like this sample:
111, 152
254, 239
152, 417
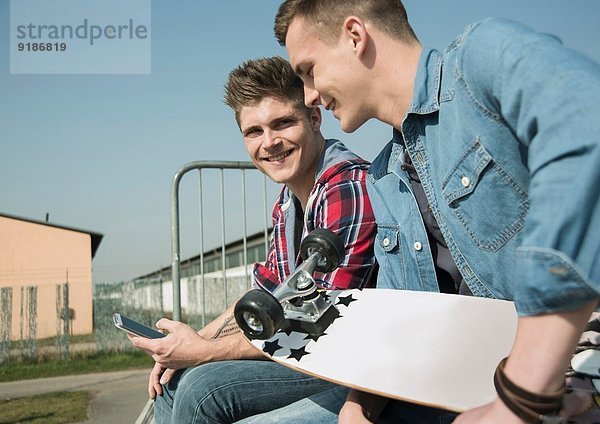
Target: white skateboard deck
428, 348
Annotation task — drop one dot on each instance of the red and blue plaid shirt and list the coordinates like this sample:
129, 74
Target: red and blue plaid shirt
338, 202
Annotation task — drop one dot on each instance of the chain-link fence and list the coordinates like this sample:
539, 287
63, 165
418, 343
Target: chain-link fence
28, 322
5, 322
63, 320
141, 301
27, 332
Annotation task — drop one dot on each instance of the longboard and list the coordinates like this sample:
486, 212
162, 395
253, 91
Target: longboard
432, 349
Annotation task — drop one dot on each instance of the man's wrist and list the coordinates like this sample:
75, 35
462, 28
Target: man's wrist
534, 408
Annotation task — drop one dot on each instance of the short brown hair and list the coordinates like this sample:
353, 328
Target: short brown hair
328, 15
257, 79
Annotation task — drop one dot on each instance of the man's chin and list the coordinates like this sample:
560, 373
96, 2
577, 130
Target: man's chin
350, 126
277, 177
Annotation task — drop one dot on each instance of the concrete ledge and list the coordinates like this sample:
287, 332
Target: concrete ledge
147, 414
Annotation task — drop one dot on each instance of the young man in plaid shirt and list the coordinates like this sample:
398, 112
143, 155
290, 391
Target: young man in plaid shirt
324, 187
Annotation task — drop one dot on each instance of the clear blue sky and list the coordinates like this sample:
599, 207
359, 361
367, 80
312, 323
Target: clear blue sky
99, 151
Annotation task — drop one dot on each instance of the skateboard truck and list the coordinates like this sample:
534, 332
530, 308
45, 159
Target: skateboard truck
295, 304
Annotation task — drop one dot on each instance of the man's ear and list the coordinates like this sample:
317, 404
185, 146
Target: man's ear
355, 33
316, 118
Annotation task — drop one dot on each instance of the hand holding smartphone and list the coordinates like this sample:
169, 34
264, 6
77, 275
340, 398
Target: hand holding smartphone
135, 328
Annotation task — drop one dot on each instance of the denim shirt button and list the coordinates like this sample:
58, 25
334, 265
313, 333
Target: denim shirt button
465, 181
418, 246
386, 242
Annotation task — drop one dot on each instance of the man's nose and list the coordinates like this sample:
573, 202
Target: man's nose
312, 98
271, 139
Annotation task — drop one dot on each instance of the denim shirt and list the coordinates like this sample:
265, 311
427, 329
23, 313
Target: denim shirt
504, 131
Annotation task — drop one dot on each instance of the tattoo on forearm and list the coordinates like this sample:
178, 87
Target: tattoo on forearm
228, 328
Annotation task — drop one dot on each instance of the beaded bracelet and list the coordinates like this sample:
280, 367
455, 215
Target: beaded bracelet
534, 408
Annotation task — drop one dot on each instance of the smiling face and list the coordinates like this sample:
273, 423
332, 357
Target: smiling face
283, 142
331, 72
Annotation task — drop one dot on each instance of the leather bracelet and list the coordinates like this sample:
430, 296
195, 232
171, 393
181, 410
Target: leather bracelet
532, 407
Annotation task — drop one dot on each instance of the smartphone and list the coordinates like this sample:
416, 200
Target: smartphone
135, 328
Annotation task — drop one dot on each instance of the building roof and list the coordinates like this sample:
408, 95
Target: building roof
96, 237
216, 251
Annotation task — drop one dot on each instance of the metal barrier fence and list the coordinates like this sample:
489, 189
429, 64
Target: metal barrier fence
200, 166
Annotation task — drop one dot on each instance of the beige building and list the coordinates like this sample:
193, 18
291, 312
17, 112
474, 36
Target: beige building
37, 260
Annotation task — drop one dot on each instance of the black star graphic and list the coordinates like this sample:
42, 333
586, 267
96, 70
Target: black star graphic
287, 330
336, 314
314, 337
271, 347
346, 300
297, 354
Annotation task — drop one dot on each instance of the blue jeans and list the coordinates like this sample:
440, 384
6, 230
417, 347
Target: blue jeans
320, 408
228, 391
323, 408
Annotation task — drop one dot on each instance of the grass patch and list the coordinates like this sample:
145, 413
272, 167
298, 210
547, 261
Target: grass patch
78, 364
50, 408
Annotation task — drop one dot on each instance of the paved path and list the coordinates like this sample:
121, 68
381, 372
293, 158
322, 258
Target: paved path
117, 397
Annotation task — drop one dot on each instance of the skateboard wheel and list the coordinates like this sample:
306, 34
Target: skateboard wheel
259, 314
327, 243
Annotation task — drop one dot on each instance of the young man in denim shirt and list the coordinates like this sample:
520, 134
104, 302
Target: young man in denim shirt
490, 185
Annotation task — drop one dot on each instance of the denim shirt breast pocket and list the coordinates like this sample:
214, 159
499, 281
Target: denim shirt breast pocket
489, 203
389, 256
